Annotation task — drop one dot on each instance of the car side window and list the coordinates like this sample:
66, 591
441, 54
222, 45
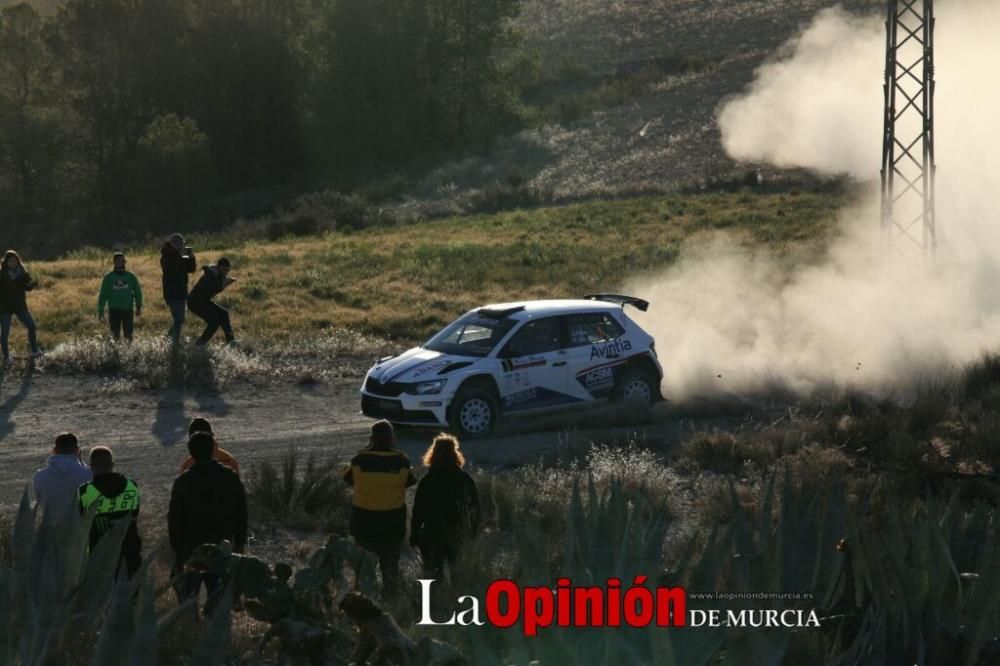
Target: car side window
536, 337
593, 328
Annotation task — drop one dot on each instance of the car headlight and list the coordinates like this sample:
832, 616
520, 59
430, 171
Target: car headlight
428, 388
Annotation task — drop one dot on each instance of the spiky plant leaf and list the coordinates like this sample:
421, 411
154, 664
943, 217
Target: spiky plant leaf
100, 571
23, 540
572, 547
144, 646
758, 648
211, 651
116, 631
694, 646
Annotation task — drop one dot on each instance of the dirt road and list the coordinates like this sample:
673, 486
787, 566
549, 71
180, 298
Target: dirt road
147, 429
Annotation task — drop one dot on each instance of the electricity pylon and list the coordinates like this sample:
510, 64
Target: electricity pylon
908, 205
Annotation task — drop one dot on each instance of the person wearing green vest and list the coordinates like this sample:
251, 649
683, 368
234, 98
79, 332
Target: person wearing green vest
116, 498
120, 291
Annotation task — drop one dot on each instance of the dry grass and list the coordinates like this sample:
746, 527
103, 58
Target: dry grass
155, 363
299, 494
403, 282
938, 441
597, 35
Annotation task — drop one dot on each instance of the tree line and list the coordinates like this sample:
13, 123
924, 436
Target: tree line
121, 118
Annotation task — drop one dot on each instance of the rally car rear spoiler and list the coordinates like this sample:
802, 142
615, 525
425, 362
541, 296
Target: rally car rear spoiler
498, 314
621, 300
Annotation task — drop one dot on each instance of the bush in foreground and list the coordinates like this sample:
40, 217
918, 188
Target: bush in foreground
914, 584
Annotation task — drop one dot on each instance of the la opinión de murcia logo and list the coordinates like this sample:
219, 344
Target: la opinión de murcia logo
507, 604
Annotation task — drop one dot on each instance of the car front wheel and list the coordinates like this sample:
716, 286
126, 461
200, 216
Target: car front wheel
474, 412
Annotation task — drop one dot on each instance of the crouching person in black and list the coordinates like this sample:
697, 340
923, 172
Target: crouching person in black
212, 282
446, 508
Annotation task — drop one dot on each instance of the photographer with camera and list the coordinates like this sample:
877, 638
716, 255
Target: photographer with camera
177, 261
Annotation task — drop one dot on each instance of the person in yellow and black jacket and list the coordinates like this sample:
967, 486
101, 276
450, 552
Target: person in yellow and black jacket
117, 498
380, 475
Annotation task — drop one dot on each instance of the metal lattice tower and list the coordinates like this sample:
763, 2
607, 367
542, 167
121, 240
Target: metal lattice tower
908, 206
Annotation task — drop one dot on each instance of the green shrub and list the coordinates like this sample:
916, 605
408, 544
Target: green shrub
509, 196
322, 212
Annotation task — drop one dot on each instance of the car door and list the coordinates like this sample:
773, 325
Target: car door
597, 349
534, 368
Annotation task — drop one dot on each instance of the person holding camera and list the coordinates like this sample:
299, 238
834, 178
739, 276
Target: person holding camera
214, 279
177, 261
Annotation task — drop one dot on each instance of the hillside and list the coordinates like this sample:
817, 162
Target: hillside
677, 60
404, 281
575, 102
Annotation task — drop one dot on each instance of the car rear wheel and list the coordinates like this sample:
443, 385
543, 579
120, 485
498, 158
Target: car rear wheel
636, 388
474, 412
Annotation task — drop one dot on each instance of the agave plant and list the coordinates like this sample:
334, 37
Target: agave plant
921, 587
619, 532
54, 593
927, 588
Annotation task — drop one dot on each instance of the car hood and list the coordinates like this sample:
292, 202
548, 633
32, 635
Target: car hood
417, 364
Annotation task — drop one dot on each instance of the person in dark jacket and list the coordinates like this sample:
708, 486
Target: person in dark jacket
208, 504
116, 498
15, 283
213, 280
380, 476
446, 508
219, 454
177, 261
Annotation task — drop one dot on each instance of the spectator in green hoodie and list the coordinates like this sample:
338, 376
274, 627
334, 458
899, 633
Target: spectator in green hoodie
120, 291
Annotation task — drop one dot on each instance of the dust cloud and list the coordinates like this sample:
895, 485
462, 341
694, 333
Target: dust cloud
732, 322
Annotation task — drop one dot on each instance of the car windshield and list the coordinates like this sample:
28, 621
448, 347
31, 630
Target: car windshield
472, 335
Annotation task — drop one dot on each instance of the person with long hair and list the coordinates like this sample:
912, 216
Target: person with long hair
15, 283
446, 508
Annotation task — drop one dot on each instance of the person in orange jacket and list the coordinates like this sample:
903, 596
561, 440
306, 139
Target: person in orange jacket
218, 453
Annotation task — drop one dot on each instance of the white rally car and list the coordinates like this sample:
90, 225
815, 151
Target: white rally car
517, 358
